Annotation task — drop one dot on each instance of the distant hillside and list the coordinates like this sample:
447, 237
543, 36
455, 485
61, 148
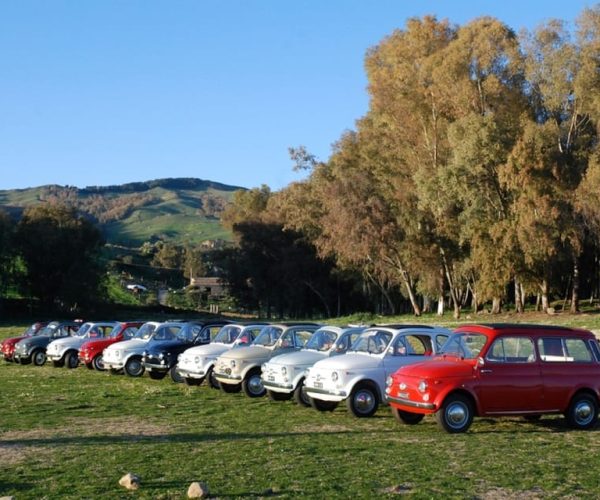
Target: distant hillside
180, 210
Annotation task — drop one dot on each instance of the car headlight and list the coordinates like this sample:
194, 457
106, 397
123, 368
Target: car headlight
161, 355
388, 381
232, 363
263, 368
197, 360
423, 386
283, 370
334, 376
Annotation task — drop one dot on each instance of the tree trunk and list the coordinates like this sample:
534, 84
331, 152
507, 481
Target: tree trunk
453, 291
544, 294
440, 307
519, 309
496, 305
575, 294
426, 304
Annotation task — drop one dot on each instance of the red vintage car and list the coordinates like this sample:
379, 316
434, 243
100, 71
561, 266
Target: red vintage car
500, 369
7, 346
90, 353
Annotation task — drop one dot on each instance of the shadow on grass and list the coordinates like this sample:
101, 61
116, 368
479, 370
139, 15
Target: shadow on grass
166, 438
557, 424
5, 487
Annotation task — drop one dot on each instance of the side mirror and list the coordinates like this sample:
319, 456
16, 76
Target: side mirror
480, 362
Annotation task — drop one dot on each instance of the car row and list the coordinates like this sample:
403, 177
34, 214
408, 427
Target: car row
476, 370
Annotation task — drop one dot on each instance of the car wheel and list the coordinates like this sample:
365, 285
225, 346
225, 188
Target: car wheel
582, 412
363, 401
38, 357
98, 362
71, 360
231, 388
279, 396
253, 386
157, 375
300, 396
456, 414
175, 376
407, 417
212, 379
319, 404
134, 367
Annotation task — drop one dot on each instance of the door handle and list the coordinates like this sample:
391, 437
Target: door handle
486, 371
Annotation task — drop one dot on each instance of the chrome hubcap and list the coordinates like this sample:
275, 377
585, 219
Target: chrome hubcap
40, 357
456, 415
584, 413
100, 363
364, 401
135, 367
255, 385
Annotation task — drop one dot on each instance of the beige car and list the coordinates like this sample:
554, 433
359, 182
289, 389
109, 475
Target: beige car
240, 369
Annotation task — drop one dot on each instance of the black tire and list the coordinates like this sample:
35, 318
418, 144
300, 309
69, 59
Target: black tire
192, 381
320, 405
58, 364
582, 412
363, 400
456, 414
231, 388
407, 417
157, 375
175, 376
532, 418
279, 396
300, 396
212, 379
134, 367
71, 360
252, 385
38, 357
98, 363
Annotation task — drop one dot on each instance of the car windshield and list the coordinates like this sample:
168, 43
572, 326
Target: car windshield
31, 330
115, 331
145, 331
166, 332
188, 332
322, 340
83, 330
49, 330
228, 334
373, 342
268, 336
465, 345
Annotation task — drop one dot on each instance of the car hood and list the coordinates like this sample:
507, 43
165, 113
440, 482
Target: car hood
350, 362
164, 345
299, 358
37, 341
440, 367
98, 343
250, 352
12, 340
126, 345
208, 350
68, 342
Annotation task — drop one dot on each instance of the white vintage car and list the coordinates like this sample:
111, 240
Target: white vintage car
127, 354
197, 363
65, 351
359, 376
283, 376
239, 369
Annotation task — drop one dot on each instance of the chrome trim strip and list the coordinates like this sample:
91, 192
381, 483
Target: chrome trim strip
325, 391
407, 402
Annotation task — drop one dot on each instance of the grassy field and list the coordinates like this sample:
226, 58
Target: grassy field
73, 434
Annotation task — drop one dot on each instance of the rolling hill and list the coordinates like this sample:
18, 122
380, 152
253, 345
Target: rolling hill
178, 210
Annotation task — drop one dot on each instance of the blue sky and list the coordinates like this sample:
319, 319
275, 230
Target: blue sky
100, 92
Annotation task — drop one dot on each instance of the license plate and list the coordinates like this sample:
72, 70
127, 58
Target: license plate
319, 385
403, 395
271, 378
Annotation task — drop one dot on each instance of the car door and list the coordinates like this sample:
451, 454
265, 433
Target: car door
510, 381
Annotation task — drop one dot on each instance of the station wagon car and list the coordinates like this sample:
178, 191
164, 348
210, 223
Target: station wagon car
196, 363
34, 348
499, 369
127, 354
239, 369
359, 376
160, 355
283, 376
90, 353
7, 346
65, 351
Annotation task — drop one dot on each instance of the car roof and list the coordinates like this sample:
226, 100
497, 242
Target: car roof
528, 328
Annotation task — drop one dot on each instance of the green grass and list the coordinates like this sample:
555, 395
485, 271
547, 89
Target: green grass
73, 434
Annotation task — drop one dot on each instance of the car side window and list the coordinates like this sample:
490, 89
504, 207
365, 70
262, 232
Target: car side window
511, 350
129, 332
563, 350
440, 340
